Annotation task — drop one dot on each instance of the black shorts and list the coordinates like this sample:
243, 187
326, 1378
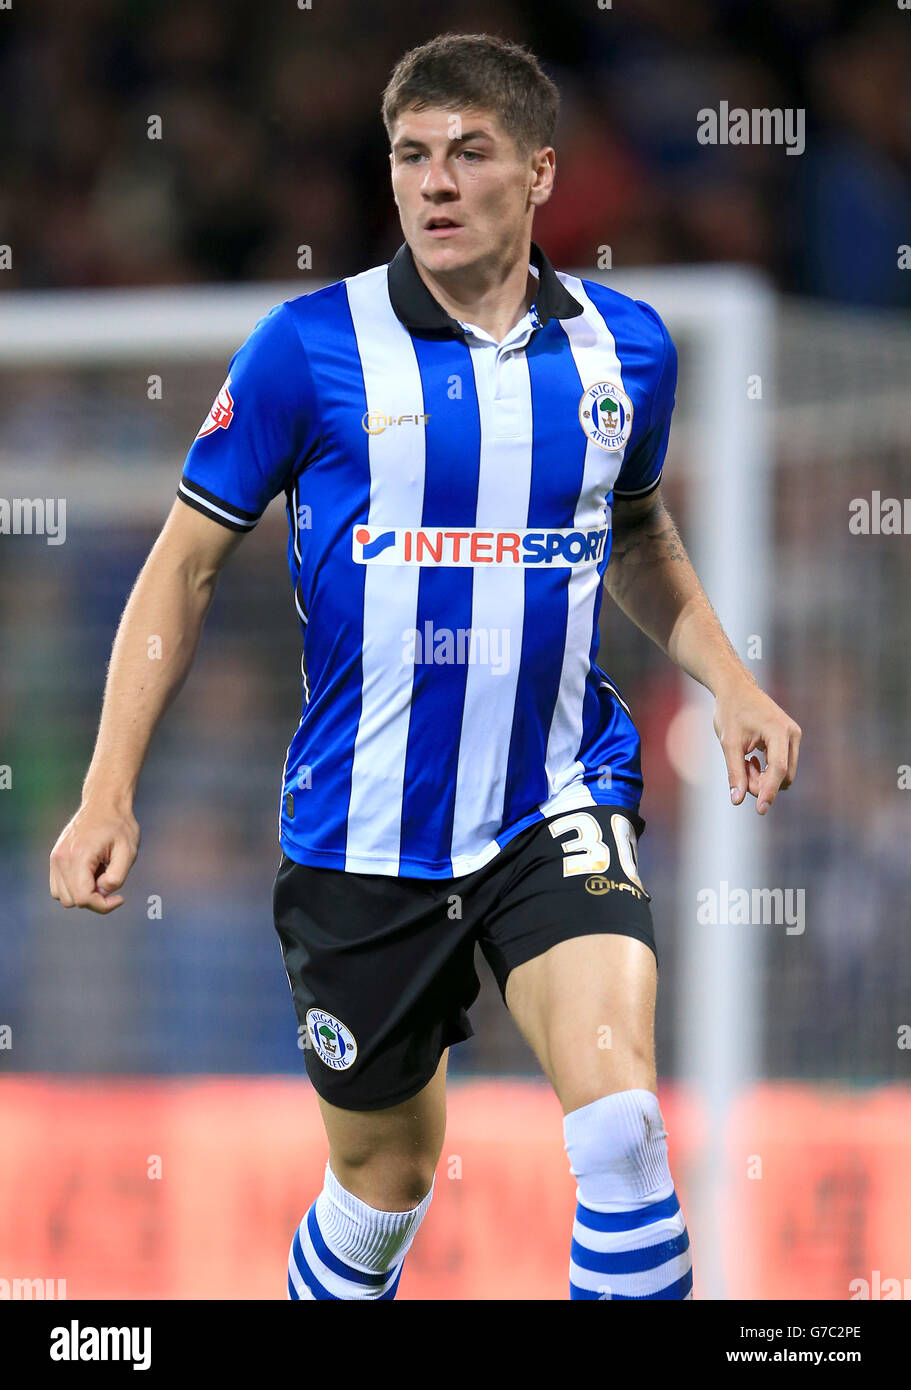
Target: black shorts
382, 969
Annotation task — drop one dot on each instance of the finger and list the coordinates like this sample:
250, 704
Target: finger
56, 874
97, 902
82, 887
737, 772
794, 737
64, 895
86, 895
776, 768
58, 885
117, 870
754, 774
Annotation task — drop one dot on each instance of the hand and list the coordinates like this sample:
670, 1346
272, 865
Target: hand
746, 719
93, 856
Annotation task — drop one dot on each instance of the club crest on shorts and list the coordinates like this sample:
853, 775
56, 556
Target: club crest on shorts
334, 1043
606, 415
221, 414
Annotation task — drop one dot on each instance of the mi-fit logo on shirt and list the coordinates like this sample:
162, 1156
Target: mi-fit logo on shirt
467, 547
375, 421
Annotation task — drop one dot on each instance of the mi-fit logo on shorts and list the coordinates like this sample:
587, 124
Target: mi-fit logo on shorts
468, 547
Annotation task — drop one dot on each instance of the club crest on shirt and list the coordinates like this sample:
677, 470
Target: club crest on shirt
221, 414
334, 1043
606, 415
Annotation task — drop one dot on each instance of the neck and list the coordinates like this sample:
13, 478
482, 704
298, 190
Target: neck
494, 294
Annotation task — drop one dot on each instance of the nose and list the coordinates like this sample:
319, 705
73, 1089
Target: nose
438, 179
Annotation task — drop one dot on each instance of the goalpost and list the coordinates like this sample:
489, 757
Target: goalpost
722, 319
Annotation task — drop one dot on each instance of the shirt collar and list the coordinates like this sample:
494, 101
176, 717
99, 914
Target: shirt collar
417, 309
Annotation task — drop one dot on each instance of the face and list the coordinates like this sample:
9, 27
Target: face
463, 192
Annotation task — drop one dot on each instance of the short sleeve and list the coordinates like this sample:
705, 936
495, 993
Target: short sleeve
640, 471
259, 430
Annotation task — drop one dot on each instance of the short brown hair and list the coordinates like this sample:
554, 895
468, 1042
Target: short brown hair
461, 70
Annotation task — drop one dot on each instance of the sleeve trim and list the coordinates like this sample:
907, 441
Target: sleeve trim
204, 495
639, 491
202, 501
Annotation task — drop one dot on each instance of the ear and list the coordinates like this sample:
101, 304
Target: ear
543, 173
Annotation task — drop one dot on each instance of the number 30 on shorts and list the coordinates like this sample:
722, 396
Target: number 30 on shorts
587, 853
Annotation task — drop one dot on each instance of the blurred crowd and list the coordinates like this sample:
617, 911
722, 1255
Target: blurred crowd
271, 137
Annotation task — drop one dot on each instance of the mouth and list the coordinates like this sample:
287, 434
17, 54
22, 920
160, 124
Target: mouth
441, 227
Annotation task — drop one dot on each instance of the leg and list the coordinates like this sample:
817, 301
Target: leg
586, 1006
379, 1182
381, 981
388, 1157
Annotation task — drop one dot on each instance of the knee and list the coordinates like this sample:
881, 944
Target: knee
386, 1178
372, 1235
617, 1148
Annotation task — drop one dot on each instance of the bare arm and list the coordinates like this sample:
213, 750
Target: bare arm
152, 654
651, 579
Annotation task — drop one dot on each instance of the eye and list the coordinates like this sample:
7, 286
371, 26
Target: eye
472, 155
410, 158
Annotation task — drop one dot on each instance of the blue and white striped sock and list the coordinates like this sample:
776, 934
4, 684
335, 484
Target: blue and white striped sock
345, 1249
629, 1237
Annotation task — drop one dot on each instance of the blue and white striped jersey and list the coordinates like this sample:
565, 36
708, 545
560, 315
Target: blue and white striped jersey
449, 503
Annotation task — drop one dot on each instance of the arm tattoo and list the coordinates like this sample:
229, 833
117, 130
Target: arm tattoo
642, 543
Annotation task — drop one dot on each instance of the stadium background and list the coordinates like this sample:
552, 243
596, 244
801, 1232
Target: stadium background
133, 1039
